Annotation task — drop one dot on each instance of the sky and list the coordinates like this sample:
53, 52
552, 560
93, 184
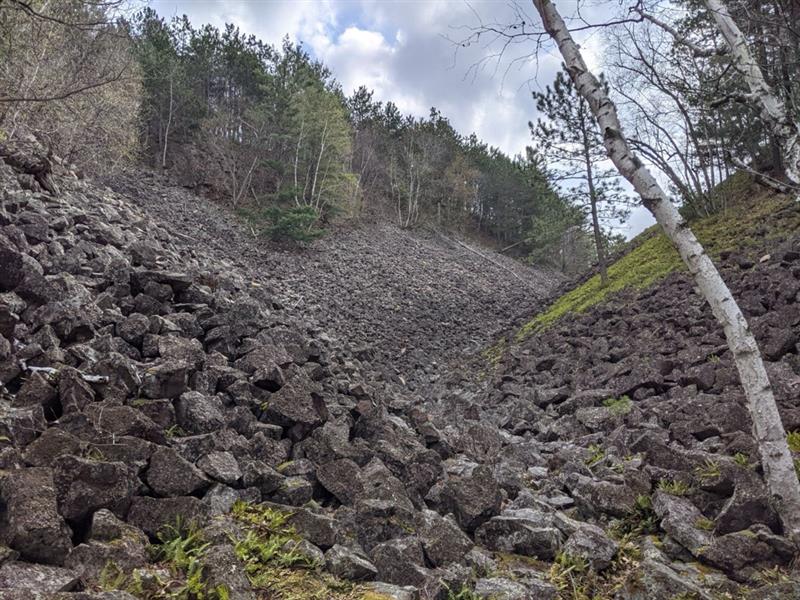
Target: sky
407, 51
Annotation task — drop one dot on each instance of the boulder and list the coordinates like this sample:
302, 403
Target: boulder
196, 413
523, 531
679, 518
473, 498
221, 466
31, 524
151, 515
170, 474
222, 568
85, 485
30, 580
342, 478
349, 564
442, 540
591, 543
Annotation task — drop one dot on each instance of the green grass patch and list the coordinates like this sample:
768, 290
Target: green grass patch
754, 215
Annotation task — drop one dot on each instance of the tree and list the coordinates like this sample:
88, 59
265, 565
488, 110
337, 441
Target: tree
776, 460
568, 137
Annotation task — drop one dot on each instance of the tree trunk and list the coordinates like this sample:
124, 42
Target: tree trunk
598, 235
768, 430
169, 124
773, 110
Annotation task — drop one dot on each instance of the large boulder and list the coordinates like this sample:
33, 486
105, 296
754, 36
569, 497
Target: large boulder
86, 485
524, 531
31, 524
473, 499
170, 474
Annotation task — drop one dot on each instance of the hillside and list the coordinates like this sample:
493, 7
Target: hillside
190, 412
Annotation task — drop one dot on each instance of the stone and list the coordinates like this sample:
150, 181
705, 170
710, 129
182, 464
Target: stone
21, 425
473, 499
342, 478
196, 413
36, 579
151, 515
388, 591
294, 491
85, 485
261, 476
679, 518
591, 543
133, 329
349, 564
297, 405
170, 474
31, 524
499, 588
523, 531
53, 442
597, 498
222, 568
74, 394
653, 579
442, 541
166, 380
221, 466
396, 561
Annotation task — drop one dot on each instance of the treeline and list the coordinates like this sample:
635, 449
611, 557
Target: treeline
266, 129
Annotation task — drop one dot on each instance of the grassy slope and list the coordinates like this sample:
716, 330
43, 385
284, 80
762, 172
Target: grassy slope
755, 215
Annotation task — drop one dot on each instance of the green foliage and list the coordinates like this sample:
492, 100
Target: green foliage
465, 593
652, 257
296, 223
567, 574
674, 487
793, 438
618, 406
741, 459
704, 524
641, 520
709, 470
596, 454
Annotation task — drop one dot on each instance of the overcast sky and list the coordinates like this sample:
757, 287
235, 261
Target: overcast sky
403, 50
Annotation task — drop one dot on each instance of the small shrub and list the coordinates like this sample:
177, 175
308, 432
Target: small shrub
618, 406
295, 223
704, 524
674, 487
741, 459
596, 454
708, 471
793, 438
641, 520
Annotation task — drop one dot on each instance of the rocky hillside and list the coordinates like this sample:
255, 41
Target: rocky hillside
189, 412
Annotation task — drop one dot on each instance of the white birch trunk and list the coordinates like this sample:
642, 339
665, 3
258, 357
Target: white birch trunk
773, 110
768, 430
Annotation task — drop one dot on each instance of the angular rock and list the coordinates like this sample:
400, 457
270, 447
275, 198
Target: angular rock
342, 478
591, 543
170, 474
679, 518
473, 499
222, 568
221, 466
151, 515
166, 380
349, 564
442, 540
196, 413
31, 524
524, 531
85, 485
28, 579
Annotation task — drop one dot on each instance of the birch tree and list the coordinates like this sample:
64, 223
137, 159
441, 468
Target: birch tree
785, 129
779, 472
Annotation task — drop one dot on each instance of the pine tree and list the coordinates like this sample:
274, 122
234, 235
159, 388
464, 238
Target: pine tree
568, 137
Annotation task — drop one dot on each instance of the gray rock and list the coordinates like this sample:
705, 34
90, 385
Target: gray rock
499, 588
166, 380
310, 554
342, 478
221, 466
31, 523
393, 592
36, 579
591, 543
294, 491
196, 413
297, 405
259, 475
151, 515
84, 486
170, 474
679, 518
222, 568
524, 531
442, 540
349, 564
53, 442
397, 561
657, 580
473, 499
21, 425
